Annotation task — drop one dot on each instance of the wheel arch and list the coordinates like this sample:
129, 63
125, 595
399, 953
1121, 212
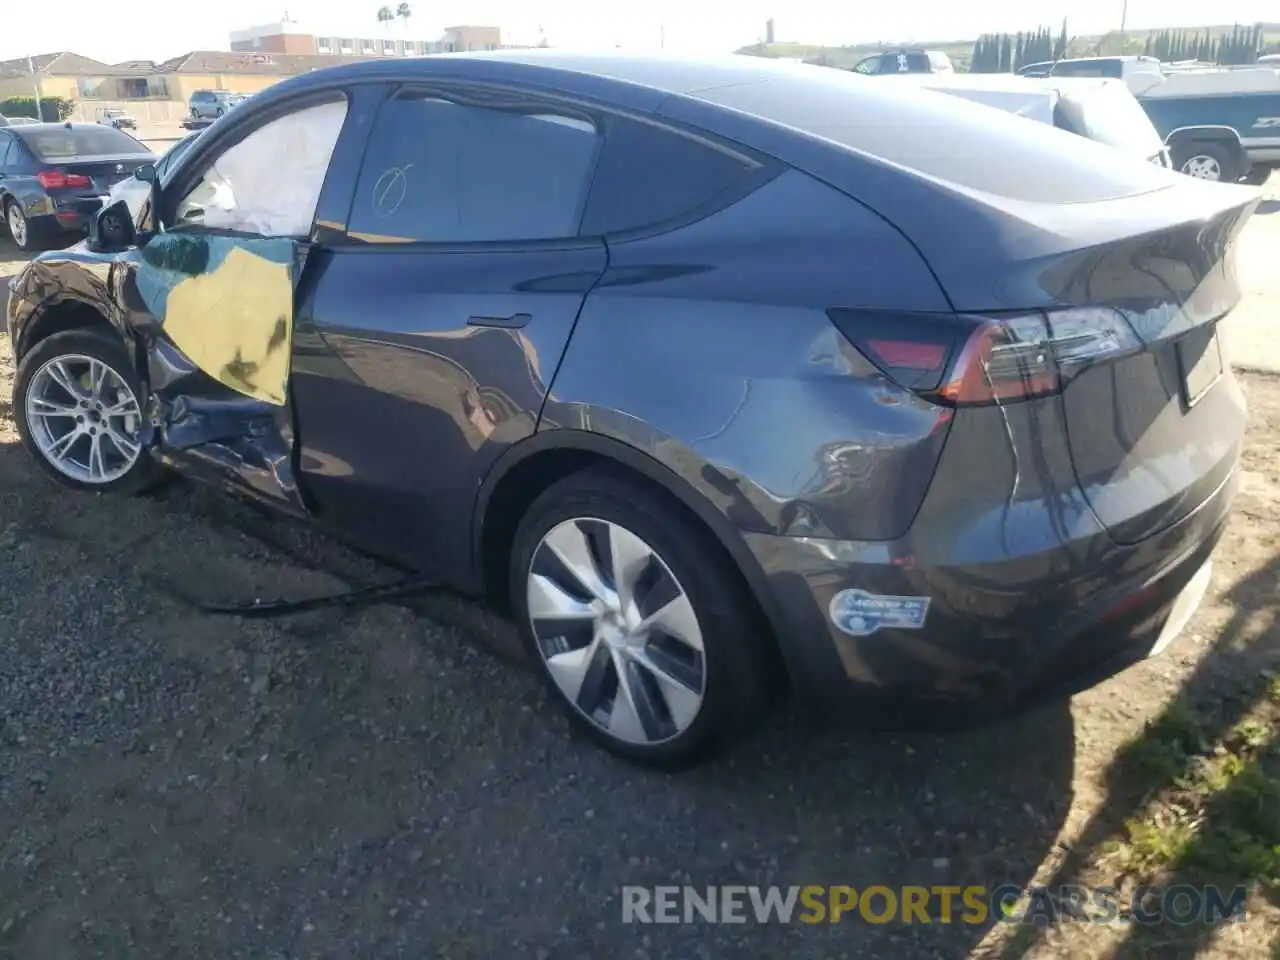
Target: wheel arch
1206, 133
55, 316
522, 473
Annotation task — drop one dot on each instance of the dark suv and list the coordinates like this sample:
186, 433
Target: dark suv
907, 60
721, 377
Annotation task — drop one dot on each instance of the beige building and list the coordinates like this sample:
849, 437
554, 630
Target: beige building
286, 37
261, 56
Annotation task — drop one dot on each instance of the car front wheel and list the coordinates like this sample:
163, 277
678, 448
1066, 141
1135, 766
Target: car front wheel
76, 400
636, 621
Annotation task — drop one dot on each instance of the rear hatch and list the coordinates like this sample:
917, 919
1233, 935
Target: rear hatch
1098, 276
1156, 427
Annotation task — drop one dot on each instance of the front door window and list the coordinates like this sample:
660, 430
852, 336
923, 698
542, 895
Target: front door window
221, 280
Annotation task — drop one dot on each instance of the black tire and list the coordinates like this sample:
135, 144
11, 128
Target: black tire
107, 348
195, 114
1228, 165
218, 112
739, 666
33, 239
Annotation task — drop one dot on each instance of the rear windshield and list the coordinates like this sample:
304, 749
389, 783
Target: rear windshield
59, 143
1111, 116
943, 137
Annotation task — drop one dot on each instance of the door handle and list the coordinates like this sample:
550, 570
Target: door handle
513, 322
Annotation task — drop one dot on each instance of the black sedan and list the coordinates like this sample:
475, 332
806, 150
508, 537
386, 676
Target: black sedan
55, 176
723, 377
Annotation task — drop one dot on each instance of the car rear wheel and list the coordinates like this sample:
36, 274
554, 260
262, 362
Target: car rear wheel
21, 230
636, 621
1206, 161
77, 402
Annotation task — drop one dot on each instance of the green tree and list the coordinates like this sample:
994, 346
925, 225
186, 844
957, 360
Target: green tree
385, 16
403, 13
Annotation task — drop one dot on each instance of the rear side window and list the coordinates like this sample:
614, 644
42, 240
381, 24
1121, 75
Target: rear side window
60, 143
438, 171
5, 144
649, 174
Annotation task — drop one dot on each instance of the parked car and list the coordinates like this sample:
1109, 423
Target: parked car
1041, 69
16, 121
1103, 110
854, 389
1201, 110
53, 177
210, 104
135, 192
118, 118
1137, 72
906, 60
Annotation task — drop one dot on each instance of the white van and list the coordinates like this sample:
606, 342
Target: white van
1100, 109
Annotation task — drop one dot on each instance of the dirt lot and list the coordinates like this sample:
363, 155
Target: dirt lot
391, 783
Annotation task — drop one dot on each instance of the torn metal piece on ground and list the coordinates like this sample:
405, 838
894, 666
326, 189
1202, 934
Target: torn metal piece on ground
347, 598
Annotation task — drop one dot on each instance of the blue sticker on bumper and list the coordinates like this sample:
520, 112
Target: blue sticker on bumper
861, 614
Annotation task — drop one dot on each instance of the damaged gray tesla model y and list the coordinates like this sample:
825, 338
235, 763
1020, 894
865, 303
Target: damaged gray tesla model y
725, 378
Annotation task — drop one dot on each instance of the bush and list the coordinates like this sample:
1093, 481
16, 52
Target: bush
53, 108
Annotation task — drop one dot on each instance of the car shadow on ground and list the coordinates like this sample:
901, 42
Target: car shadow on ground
343, 782
1211, 757
1269, 206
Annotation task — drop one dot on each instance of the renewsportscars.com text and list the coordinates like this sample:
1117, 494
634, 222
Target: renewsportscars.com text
975, 904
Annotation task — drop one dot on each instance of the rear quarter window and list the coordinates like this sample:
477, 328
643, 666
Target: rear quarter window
647, 175
943, 137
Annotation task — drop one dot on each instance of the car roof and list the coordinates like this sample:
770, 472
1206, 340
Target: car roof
659, 73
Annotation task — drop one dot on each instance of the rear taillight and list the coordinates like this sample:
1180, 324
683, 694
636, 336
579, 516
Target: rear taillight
967, 360
59, 179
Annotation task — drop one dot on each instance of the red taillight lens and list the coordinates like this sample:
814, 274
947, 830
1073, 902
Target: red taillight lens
59, 179
967, 360
1003, 360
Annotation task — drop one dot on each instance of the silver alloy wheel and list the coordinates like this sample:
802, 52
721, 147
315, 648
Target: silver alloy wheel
1202, 167
617, 631
84, 418
17, 225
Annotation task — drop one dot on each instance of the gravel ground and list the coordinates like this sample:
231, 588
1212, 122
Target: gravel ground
391, 782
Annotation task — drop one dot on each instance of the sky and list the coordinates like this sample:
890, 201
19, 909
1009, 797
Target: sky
159, 29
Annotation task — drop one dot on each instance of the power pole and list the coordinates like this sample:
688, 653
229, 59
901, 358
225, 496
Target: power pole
1124, 16
35, 82
662, 37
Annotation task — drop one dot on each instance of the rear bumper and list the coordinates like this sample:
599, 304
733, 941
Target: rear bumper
996, 636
